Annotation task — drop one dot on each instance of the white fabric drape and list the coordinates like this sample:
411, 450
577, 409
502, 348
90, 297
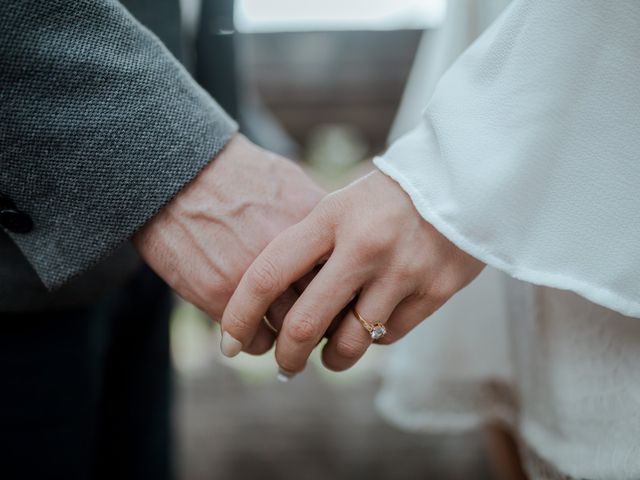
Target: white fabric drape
527, 157
464, 22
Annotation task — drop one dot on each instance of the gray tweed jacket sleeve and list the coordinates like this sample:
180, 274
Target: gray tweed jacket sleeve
99, 128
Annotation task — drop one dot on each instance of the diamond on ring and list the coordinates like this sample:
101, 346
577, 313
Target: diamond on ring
378, 331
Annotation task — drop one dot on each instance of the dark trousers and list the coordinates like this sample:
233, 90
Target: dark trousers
85, 393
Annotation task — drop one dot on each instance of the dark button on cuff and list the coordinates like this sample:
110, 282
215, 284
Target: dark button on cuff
13, 219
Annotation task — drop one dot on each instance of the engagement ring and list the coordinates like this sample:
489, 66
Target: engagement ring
377, 331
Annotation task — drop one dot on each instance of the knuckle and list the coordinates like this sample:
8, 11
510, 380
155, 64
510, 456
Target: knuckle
333, 202
416, 264
442, 288
264, 278
329, 208
303, 328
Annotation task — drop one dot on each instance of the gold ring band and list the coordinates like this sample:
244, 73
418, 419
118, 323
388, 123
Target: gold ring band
377, 330
265, 319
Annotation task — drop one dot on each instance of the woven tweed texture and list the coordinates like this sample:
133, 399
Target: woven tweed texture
99, 128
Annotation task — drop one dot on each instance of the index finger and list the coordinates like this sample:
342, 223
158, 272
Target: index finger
286, 259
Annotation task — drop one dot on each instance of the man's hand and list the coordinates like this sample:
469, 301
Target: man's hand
202, 242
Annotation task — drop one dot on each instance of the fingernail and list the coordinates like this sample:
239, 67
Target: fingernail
284, 376
230, 346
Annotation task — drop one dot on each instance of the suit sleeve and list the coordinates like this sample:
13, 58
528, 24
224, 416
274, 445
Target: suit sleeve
99, 128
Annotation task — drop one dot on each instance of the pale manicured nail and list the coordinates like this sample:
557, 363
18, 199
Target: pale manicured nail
284, 376
230, 346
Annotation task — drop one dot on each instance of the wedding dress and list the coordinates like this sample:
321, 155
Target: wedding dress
527, 157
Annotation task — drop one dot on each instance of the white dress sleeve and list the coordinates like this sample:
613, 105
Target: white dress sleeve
528, 154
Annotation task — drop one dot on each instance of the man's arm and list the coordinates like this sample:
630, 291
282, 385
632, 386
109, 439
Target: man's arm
100, 127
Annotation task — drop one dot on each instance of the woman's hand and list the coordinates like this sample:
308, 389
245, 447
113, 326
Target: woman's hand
378, 248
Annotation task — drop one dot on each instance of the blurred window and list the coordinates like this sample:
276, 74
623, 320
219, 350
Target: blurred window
256, 16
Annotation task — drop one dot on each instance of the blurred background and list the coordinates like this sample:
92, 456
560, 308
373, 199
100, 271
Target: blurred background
320, 81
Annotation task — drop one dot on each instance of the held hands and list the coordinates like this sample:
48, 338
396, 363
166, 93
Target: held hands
207, 236
377, 248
